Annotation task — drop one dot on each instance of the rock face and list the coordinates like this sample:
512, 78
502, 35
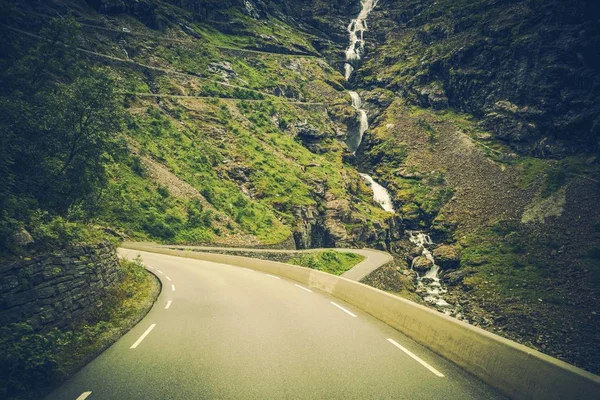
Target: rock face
57, 289
528, 69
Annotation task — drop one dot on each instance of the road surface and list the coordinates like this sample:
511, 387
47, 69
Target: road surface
225, 332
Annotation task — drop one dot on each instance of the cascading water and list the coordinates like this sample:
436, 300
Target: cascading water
380, 194
355, 139
356, 30
429, 285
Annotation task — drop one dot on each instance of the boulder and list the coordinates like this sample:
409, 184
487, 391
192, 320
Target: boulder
20, 237
447, 256
422, 264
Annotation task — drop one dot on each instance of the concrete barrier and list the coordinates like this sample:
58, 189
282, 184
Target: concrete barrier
517, 371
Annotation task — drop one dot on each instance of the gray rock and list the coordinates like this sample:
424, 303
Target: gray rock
20, 237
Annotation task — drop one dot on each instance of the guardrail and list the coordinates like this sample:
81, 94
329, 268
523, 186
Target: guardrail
517, 371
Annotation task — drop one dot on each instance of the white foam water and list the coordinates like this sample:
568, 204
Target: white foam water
429, 284
356, 31
380, 194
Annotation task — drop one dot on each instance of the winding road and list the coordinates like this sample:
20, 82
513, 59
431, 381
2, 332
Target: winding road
373, 258
224, 332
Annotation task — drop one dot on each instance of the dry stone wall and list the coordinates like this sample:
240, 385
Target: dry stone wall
56, 289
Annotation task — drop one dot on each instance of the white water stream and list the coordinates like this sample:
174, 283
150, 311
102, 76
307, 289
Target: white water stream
380, 194
354, 140
356, 30
429, 284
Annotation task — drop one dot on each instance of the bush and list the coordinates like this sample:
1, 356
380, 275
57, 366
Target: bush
29, 359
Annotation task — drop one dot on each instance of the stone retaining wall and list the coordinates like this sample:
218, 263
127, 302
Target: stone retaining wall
56, 289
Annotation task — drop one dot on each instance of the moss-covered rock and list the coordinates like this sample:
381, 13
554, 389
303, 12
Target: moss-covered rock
421, 264
447, 256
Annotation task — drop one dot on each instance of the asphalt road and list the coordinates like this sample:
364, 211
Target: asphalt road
225, 332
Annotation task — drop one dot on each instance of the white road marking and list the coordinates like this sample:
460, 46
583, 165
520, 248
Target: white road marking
417, 359
168, 304
276, 277
159, 271
147, 266
84, 395
143, 336
343, 309
303, 288
173, 287
248, 269
167, 278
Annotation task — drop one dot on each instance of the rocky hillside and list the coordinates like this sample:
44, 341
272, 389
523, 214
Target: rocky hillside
234, 128
483, 127
527, 69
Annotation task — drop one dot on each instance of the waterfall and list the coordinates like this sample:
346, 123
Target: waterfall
380, 194
356, 30
348, 69
429, 285
354, 139
356, 101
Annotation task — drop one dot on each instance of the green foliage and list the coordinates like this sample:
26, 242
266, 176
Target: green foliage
329, 261
59, 123
28, 359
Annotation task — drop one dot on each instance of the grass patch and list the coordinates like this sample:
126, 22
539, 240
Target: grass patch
332, 262
502, 258
31, 363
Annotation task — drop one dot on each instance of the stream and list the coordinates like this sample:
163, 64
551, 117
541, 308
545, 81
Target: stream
428, 285
356, 30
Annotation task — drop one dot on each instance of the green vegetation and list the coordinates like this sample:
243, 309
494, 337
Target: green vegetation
502, 258
32, 361
246, 170
333, 262
58, 125
552, 174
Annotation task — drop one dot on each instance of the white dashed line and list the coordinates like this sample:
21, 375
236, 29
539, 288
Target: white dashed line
417, 359
169, 279
343, 309
143, 336
84, 395
168, 304
147, 266
276, 277
303, 288
248, 269
173, 287
159, 271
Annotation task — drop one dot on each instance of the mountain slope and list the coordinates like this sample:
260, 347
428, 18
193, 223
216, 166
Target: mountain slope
483, 128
